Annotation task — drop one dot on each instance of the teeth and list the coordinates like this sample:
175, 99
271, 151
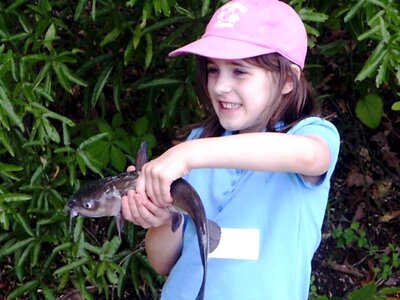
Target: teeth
230, 105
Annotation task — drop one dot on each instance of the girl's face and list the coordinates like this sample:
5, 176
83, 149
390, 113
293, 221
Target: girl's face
240, 93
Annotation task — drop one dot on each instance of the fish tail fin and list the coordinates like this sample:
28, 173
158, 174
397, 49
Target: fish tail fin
214, 235
200, 295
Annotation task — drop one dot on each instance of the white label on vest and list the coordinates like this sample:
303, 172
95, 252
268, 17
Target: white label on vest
238, 243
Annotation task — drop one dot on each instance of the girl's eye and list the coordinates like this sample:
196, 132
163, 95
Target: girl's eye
239, 72
212, 70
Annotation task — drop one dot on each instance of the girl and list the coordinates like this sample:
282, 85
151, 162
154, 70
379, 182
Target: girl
261, 163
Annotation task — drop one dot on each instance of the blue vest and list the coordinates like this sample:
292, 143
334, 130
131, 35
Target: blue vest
287, 211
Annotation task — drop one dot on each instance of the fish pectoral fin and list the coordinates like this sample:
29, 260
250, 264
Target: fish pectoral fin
177, 219
214, 235
119, 221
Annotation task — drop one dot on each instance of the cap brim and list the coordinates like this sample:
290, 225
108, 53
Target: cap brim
221, 48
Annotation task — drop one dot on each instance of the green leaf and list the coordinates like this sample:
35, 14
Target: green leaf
111, 36
25, 288
62, 247
24, 222
50, 36
110, 247
372, 63
172, 105
73, 77
14, 197
14, 5
48, 293
159, 82
79, 9
204, 8
111, 275
137, 34
353, 11
141, 126
118, 159
369, 33
92, 140
90, 162
10, 168
396, 106
71, 266
383, 72
24, 255
389, 291
59, 117
7, 106
6, 143
91, 248
94, 10
370, 110
98, 88
61, 76
42, 74
51, 131
310, 15
149, 50
384, 32
16, 246
367, 292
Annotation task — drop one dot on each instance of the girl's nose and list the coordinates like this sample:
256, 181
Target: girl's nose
223, 84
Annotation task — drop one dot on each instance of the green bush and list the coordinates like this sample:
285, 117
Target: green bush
80, 88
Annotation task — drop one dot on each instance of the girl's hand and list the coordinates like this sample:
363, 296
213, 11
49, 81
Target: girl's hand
156, 176
140, 211
143, 212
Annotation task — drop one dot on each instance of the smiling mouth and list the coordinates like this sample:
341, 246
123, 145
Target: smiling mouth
228, 105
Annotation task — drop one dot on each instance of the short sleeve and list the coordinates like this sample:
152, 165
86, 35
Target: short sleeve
327, 131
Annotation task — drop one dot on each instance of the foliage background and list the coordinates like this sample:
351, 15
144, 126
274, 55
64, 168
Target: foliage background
82, 83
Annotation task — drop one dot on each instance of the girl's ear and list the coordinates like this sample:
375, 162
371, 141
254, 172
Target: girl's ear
288, 87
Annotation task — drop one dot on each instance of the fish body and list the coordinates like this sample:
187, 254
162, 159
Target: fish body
102, 198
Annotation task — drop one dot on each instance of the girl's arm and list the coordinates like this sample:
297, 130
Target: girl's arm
162, 245
271, 152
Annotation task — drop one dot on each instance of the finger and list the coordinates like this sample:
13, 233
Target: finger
140, 186
131, 168
130, 209
152, 215
155, 185
163, 215
165, 191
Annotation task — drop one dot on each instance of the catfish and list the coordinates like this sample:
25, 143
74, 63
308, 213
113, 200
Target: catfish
102, 198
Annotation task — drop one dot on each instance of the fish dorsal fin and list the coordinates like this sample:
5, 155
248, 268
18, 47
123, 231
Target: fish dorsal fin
141, 156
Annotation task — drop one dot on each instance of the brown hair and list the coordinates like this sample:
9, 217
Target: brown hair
289, 108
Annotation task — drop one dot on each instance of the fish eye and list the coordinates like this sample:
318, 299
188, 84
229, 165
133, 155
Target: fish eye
87, 205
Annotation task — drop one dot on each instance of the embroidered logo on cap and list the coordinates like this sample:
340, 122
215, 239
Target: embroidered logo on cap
229, 15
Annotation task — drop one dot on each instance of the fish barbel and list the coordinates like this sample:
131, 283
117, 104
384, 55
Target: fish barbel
102, 198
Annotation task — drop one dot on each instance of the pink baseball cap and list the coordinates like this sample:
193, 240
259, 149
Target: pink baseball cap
247, 28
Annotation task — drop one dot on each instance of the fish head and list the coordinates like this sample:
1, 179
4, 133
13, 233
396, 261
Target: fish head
95, 203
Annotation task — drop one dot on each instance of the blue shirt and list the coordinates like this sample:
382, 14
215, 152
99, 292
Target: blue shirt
287, 211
